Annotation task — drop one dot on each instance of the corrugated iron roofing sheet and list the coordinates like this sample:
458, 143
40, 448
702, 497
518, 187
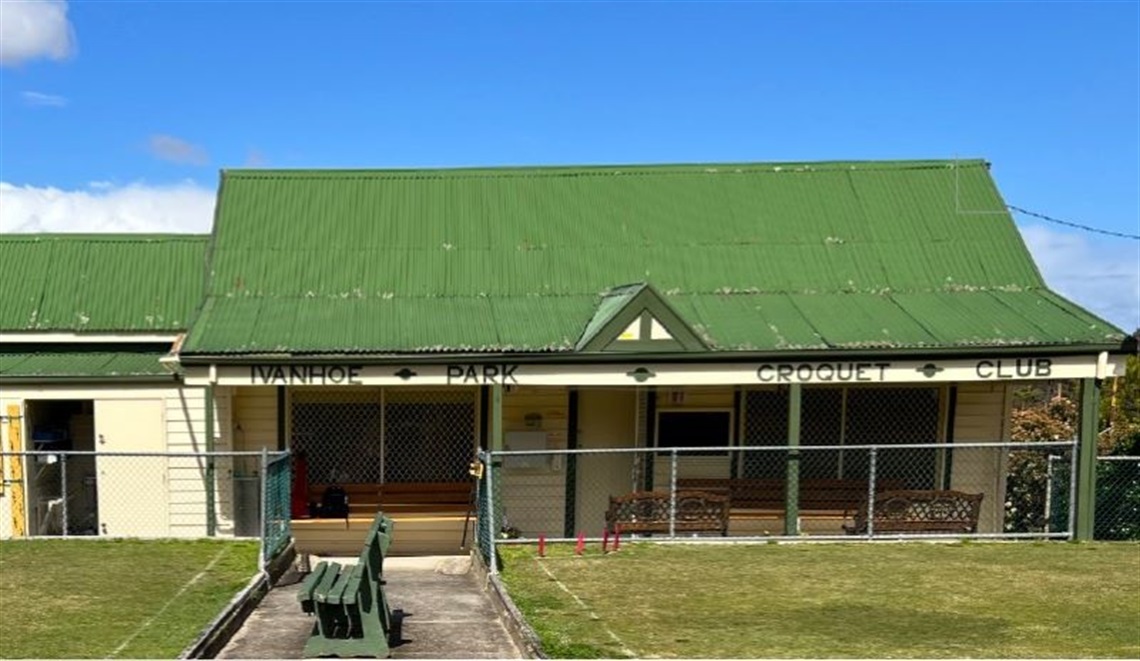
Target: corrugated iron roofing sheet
82, 365
100, 283
755, 256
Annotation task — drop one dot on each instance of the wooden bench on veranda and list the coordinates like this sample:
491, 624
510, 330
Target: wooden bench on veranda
351, 609
822, 496
424, 498
647, 512
925, 511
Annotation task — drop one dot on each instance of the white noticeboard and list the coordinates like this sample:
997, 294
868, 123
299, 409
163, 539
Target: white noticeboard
529, 441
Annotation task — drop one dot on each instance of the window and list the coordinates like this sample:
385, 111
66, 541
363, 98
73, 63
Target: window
694, 429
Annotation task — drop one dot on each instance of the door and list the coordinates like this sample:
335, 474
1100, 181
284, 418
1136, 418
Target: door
132, 490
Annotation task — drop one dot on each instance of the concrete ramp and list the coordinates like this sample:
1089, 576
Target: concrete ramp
440, 605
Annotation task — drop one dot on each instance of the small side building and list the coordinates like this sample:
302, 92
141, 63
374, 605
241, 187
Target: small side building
84, 321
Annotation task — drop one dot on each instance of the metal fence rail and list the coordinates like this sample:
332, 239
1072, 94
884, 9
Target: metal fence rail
86, 494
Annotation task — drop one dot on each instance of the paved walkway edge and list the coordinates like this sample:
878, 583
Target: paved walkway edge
218, 632
516, 625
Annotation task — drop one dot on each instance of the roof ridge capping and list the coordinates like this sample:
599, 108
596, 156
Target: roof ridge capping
111, 237
605, 170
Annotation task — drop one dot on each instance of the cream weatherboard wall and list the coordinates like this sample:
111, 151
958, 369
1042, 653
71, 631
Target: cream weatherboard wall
533, 412
606, 419
146, 418
254, 423
982, 416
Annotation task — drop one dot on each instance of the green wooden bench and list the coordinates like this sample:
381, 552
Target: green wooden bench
351, 609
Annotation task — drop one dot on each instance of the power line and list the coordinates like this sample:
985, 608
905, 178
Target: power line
1079, 226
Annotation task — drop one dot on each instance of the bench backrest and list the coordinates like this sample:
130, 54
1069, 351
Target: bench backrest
694, 509
370, 497
376, 545
923, 510
768, 493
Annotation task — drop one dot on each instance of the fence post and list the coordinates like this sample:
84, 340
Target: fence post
673, 495
264, 509
496, 445
872, 464
1049, 491
63, 488
792, 493
1086, 466
570, 490
1074, 452
211, 515
492, 561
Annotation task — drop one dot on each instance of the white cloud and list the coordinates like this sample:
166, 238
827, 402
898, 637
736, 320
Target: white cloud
176, 150
1101, 275
40, 99
33, 29
185, 207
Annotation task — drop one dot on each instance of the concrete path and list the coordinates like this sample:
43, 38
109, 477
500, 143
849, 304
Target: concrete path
443, 613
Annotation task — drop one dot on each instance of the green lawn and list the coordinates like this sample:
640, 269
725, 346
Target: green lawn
127, 599
1039, 600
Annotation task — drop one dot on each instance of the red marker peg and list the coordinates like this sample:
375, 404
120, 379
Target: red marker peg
581, 545
542, 546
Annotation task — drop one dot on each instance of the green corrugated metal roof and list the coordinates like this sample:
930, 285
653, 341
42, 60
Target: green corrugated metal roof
753, 256
100, 283
113, 365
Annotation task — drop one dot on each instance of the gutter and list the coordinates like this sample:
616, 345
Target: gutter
53, 380
1125, 348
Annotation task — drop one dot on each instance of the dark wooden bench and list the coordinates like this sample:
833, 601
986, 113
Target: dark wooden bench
365, 499
918, 512
815, 494
351, 609
644, 512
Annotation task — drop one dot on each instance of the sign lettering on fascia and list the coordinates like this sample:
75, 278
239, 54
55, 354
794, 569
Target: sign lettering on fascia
871, 372
1037, 368
821, 372
502, 373
305, 375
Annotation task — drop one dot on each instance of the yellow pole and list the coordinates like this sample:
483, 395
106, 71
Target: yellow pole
16, 444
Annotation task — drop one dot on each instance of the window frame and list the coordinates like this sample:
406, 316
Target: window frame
667, 450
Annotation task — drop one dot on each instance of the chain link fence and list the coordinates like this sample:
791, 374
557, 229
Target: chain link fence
488, 509
148, 495
276, 503
1117, 509
833, 487
374, 436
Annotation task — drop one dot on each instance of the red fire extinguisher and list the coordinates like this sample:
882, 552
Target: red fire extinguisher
300, 500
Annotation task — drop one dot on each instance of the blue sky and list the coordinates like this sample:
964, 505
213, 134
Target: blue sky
123, 112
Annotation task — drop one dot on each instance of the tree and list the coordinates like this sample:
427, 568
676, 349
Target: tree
1120, 412
1037, 417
